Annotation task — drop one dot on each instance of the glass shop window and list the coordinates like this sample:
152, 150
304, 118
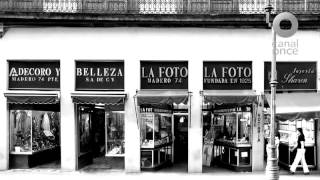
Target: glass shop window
234, 127
33, 131
84, 130
156, 129
115, 133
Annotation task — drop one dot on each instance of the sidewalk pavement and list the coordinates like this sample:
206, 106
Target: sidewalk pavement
55, 174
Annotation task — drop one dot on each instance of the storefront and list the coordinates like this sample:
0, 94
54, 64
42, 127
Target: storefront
99, 103
231, 113
297, 106
162, 107
33, 102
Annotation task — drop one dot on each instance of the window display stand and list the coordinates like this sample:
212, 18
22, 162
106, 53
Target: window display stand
29, 160
155, 158
156, 143
233, 156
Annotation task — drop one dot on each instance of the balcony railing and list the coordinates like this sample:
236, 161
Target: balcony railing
208, 7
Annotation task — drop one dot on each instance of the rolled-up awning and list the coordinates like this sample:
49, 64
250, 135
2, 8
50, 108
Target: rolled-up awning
296, 102
32, 97
99, 98
162, 97
240, 97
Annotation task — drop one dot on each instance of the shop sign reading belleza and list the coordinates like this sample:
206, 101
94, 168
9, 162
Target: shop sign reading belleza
99, 75
44, 74
224, 75
292, 75
164, 75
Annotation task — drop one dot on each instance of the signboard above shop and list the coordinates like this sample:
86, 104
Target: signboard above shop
34, 75
164, 74
292, 76
99, 75
227, 75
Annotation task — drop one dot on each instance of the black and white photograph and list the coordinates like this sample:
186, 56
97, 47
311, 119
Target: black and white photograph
157, 89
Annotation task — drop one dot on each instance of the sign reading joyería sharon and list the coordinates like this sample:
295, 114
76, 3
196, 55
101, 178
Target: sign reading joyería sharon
226, 75
99, 75
164, 74
292, 75
36, 75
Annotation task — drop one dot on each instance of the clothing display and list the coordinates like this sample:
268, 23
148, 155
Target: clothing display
33, 131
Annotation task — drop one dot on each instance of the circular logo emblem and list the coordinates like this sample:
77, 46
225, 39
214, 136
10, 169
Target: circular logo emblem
288, 17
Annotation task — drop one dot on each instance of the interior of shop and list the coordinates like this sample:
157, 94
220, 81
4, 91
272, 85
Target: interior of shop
101, 137
34, 136
227, 136
287, 121
164, 137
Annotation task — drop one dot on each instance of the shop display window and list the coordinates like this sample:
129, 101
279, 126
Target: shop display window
115, 133
84, 130
287, 131
156, 129
33, 131
234, 127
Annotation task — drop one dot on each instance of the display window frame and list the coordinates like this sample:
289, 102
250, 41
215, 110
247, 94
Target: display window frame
107, 100
151, 99
241, 159
37, 102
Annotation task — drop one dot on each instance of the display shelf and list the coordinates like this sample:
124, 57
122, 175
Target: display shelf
21, 153
18, 161
114, 155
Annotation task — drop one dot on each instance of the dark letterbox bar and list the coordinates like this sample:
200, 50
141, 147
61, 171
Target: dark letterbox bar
292, 75
164, 74
34, 75
222, 75
99, 75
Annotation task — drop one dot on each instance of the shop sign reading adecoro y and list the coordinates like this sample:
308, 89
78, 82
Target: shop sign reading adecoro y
222, 75
100, 75
164, 74
28, 74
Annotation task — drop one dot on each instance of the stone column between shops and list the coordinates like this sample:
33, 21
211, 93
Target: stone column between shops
195, 125
4, 122
318, 144
68, 121
132, 134
258, 138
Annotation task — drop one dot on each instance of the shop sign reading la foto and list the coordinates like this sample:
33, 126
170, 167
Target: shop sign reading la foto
164, 75
227, 75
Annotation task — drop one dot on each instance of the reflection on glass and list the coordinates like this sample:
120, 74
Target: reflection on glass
115, 133
156, 129
33, 131
84, 130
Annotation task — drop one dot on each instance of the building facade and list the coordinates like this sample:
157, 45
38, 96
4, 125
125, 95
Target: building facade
140, 49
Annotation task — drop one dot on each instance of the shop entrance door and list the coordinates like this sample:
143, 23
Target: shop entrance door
180, 143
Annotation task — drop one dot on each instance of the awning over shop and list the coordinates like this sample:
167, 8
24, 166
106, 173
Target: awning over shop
240, 97
32, 98
296, 102
99, 98
162, 97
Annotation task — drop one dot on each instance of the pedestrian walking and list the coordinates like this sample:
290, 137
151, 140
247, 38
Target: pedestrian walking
300, 156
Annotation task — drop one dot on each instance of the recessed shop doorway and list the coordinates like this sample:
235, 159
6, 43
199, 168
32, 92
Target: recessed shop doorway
100, 137
180, 142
